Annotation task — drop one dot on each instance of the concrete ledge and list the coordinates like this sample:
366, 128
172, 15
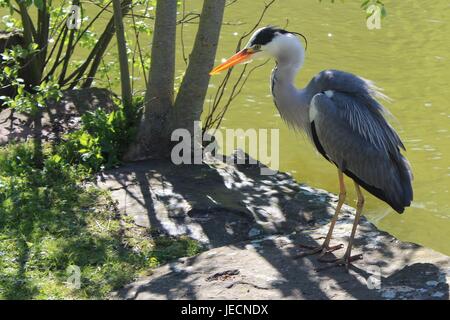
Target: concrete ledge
253, 226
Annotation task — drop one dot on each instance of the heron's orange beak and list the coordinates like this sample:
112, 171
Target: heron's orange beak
239, 57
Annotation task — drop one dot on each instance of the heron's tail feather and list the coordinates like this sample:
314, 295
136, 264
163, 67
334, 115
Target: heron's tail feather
405, 180
398, 193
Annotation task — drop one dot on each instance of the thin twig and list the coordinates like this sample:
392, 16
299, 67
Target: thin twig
138, 44
182, 34
216, 115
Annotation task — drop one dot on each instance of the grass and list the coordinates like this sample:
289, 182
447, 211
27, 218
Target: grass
49, 223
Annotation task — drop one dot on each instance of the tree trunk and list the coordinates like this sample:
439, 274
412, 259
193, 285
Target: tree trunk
33, 61
192, 93
153, 139
34, 80
161, 116
43, 33
123, 57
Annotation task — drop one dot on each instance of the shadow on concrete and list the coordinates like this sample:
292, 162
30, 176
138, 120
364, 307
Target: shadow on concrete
221, 204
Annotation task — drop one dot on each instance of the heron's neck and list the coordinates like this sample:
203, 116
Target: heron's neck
290, 101
286, 70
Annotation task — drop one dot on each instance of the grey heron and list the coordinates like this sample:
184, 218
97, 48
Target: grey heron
344, 120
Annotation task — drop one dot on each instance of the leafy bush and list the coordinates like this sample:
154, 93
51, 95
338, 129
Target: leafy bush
26, 99
102, 139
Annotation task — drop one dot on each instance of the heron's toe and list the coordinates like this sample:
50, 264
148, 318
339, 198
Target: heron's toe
344, 261
322, 250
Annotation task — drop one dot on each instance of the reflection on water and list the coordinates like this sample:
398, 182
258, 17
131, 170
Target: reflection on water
409, 57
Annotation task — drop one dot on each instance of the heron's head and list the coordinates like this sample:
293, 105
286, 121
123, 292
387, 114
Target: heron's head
267, 42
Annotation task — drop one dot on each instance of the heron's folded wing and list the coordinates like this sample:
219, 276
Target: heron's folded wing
354, 140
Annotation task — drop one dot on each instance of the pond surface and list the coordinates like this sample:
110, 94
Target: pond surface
409, 57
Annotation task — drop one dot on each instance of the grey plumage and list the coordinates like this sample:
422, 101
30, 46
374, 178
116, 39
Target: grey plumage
342, 116
351, 128
353, 134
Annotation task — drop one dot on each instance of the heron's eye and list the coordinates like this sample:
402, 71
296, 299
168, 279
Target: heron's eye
257, 47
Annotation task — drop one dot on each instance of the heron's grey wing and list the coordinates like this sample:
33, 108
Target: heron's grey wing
361, 106
358, 142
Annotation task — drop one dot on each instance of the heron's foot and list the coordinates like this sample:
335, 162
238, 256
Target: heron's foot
322, 250
344, 261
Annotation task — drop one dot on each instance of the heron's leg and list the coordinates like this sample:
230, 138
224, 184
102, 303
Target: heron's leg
325, 247
359, 207
347, 259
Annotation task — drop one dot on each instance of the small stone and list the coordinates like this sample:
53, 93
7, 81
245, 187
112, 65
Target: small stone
438, 294
421, 290
256, 245
254, 232
389, 294
432, 283
249, 247
175, 268
405, 289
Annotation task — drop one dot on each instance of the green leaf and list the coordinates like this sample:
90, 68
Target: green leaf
56, 158
111, 117
85, 139
7, 70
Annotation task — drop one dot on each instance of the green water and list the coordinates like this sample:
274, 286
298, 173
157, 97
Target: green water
409, 57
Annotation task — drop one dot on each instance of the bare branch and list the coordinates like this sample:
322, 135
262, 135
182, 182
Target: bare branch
138, 44
217, 111
182, 35
123, 57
